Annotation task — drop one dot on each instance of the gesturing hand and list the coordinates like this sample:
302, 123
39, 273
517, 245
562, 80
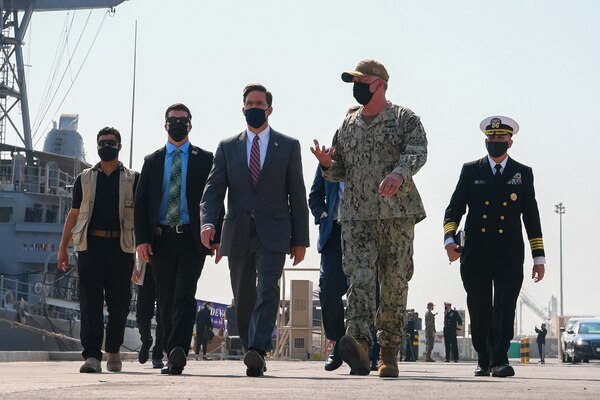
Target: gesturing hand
323, 155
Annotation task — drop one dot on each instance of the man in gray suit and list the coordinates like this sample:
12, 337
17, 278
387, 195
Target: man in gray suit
266, 218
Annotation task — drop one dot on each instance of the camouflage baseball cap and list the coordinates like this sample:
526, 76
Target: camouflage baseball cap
367, 68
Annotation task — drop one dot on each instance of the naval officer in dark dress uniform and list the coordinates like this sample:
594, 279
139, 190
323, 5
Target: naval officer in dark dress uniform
499, 193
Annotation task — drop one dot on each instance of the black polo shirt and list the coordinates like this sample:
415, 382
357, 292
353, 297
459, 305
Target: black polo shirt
105, 215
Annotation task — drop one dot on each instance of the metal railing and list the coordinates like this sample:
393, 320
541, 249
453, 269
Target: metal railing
57, 298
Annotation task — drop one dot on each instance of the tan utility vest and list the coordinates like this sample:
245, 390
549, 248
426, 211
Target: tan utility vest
88, 186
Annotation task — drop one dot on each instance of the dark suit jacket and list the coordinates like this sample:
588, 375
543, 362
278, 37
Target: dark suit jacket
493, 232
149, 193
278, 201
324, 196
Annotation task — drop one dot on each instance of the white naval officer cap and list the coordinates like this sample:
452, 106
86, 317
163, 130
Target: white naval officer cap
499, 125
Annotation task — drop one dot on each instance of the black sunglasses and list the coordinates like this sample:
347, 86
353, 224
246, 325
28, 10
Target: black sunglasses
110, 143
174, 120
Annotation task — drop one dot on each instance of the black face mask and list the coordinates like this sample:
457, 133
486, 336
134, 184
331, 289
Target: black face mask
362, 93
108, 153
256, 117
496, 149
178, 131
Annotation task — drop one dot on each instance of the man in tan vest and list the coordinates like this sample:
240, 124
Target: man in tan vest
101, 228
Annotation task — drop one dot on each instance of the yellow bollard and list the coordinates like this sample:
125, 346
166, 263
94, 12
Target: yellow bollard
525, 350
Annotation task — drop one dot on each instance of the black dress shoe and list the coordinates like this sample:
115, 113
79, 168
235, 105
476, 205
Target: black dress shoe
502, 371
479, 371
255, 363
144, 353
177, 357
170, 369
157, 363
334, 361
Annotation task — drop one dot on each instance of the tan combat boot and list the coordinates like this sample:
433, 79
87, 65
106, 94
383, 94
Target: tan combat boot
355, 352
113, 363
388, 363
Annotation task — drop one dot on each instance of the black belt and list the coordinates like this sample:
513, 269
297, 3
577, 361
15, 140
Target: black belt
161, 230
104, 234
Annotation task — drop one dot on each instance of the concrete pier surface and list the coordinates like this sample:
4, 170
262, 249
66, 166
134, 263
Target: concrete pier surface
217, 379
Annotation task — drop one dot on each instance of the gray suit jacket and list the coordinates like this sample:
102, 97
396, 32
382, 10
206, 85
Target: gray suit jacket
278, 202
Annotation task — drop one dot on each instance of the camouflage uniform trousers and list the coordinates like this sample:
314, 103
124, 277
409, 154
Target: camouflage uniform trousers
378, 251
429, 343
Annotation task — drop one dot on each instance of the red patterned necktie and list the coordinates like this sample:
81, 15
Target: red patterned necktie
255, 160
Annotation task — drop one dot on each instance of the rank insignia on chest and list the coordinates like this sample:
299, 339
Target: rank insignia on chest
515, 180
479, 182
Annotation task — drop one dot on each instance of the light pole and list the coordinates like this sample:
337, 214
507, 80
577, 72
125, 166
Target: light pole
560, 210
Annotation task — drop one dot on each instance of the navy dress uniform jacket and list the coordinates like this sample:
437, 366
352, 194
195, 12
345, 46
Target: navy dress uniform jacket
493, 230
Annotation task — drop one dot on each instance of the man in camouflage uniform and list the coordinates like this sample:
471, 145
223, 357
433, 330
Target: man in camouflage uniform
429, 331
376, 152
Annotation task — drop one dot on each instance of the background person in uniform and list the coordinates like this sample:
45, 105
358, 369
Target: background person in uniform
324, 202
204, 327
410, 330
100, 223
167, 230
499, 192
541, 342
429, 331
143, 315
376, 152
267, 218
452, 320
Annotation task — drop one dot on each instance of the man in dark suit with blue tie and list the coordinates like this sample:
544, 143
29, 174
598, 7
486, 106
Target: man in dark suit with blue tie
324, 200
167, 230
498, 192
266, 218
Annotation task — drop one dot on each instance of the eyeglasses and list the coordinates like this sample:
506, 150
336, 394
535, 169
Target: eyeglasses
175, 120
109, 143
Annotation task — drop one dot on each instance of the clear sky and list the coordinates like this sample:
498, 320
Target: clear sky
452, 62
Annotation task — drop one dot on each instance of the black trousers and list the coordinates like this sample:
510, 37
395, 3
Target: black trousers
541, 347
144, 313
333, 285
201, 339
450, 345
104, 275
492, 292
176, 266
255, 285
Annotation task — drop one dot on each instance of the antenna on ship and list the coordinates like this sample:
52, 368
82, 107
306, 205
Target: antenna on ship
133, 95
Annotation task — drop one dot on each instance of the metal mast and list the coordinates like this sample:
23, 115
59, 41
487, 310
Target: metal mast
13, 88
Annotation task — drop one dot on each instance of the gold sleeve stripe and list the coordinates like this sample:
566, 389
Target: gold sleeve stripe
450, 226
536, 244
